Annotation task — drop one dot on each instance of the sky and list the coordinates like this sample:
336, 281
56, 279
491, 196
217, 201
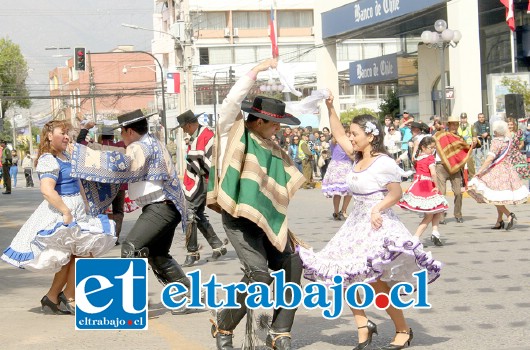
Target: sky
35, 25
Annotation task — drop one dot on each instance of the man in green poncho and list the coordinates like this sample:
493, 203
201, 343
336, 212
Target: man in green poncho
251, 182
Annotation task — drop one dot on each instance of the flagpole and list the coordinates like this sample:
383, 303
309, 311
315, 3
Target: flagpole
512, 50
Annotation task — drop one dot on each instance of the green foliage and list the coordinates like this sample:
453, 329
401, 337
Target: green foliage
517, 86
6, 131
13, 75
390, 105
346, 117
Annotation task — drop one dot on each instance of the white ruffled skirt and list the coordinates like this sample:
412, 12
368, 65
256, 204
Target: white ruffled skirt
359, 253
45, 243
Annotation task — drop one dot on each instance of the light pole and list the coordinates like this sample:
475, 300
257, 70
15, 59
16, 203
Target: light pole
214, 119
441, 39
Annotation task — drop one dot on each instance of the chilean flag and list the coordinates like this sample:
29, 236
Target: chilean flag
510, 18
173, 83
272, 34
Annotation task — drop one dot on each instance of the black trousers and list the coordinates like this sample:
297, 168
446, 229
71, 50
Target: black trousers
117, 210
258, 255
196, 212
6, 177
155, 229
29, 177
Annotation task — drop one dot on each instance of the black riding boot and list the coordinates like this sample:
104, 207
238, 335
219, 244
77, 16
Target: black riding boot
279, 337
226, 320
192, 246
217, 245
167, 270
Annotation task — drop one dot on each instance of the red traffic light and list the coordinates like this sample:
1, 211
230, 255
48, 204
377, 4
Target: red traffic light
79, 58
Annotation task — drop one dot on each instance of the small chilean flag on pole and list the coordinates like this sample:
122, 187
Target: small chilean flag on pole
173, 83
510, 18
272, 34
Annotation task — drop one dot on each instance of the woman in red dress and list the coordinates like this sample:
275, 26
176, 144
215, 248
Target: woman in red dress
423, 195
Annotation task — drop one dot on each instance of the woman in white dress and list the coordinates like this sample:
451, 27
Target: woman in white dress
372, 246
59, 231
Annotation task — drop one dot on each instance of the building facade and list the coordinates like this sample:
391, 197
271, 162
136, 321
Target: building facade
483, 51
113, 83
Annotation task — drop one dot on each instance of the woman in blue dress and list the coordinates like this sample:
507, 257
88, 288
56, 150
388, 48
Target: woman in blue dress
59, 231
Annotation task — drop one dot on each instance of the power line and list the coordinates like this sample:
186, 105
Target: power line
65, 97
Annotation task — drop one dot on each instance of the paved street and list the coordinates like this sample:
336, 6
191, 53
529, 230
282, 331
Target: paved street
480, 302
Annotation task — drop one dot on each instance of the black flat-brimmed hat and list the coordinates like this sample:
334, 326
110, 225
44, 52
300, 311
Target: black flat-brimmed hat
269, 109
187, 117
131, 118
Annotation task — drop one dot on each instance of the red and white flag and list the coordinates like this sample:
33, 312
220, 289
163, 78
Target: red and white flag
510, 17
272, 34
173, 83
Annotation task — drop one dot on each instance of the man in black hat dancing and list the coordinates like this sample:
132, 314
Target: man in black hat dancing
251, 182
153, 184
195, 183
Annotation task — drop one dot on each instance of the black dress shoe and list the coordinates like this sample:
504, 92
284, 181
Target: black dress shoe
437, 242
5, 192
460, 220
498, 225
399, 347
511, 222
218, 252
45, 302
372, 328
278, 341
69, 304
191, 258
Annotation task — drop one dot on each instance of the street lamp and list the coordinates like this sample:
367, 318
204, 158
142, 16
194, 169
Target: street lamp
441, 39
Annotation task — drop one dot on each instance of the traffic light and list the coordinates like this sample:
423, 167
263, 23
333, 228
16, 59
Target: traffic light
79, 58
231, 75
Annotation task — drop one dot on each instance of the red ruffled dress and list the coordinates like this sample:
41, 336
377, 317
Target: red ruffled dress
420, 197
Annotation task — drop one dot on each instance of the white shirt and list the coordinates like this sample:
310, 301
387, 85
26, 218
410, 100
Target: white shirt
229, 111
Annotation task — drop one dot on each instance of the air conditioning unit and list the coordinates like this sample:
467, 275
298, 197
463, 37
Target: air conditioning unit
177, 29
227, 32
236, 32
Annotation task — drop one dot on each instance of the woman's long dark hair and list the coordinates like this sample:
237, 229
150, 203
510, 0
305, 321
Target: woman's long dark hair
378, 146
426, 141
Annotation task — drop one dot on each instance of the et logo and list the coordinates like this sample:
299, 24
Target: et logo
111, 294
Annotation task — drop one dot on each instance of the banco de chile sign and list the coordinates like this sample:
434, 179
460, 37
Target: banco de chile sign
374, 70
363, 13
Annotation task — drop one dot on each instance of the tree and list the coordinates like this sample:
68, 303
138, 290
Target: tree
346, 117
517, 86
13, 75
390, 105
6, 132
